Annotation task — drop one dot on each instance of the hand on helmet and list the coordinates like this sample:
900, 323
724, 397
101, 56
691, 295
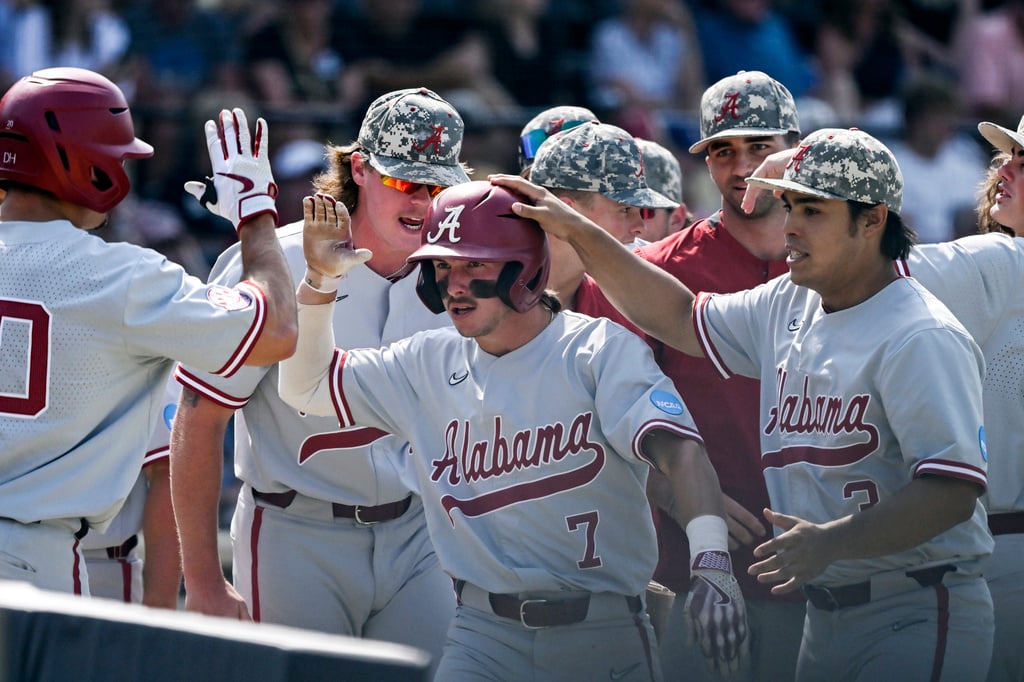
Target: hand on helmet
327, 243
242, 186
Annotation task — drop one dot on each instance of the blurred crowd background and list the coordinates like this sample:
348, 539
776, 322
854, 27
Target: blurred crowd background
917, 73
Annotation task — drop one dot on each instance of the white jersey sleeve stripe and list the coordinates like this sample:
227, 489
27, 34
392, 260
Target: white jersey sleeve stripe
337, 393
252, 335
156, 455
943, 467
680, 431
194, 383
700, 324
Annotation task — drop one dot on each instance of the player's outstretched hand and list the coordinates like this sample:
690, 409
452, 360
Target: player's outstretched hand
242, 186
773, 167
794, 557
717, 612
327, 243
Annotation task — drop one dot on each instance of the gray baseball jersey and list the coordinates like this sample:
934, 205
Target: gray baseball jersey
978, 278
529, 464
114, 558
85, 342
853, 405
277, 449
298, 565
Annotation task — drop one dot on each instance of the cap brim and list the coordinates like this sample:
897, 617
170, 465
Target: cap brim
1001, 138
701, 145
641, 197
789, 185
418, 171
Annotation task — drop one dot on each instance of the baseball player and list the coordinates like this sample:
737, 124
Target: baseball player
536, 505
325, 534
597, 169
119, 566
744, 118
665, 176
544, 125
90, 327
877, 511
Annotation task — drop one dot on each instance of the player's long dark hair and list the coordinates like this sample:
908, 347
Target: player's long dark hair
898, 236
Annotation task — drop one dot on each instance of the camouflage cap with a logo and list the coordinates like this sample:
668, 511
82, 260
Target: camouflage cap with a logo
597, 157
751, 103
662, 169
1002, 138
414, 135
849, 165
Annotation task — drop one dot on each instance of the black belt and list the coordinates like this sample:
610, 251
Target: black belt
1009, 523
835, 598
545, 613
122, 550
363, 515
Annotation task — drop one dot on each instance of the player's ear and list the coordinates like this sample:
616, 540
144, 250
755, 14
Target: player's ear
874, 219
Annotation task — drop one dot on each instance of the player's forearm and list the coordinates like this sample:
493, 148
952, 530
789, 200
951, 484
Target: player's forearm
925, 508
197, 466
264, 263
303, 380
161, 570
686, 485
650, 297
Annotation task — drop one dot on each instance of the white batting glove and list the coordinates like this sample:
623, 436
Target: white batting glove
717, 612
327, 243
242, 186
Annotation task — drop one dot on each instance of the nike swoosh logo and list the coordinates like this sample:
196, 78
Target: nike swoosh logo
456, 378
795, 324
341, 298
723, 596
247, 184
614, 674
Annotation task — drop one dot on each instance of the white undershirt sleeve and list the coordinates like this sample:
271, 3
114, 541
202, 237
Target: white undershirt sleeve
304, 381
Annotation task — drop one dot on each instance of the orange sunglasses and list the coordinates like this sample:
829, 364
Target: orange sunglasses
410, 187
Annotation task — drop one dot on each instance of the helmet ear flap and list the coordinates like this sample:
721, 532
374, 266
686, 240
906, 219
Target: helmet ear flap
506, 280
426, 288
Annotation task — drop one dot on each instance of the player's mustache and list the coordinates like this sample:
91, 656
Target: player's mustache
480, 288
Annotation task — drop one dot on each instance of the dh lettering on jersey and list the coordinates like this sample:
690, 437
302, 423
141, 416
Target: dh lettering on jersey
823, 415
467, 461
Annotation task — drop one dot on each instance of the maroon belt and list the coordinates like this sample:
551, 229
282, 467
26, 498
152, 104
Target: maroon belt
363, 515
1010, 523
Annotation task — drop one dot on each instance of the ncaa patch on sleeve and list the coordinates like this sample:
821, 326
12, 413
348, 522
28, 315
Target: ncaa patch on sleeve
666, 402
228, 298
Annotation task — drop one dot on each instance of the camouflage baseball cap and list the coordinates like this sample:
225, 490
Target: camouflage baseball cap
748, 104
547, 123
414, 135
662, 169
1002, 138
597, 157
849, 165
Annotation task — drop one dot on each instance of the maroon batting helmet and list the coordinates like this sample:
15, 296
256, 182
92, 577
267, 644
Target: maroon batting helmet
474, 221
68, 131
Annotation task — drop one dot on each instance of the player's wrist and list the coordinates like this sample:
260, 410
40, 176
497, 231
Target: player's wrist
708, 536
321, 283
